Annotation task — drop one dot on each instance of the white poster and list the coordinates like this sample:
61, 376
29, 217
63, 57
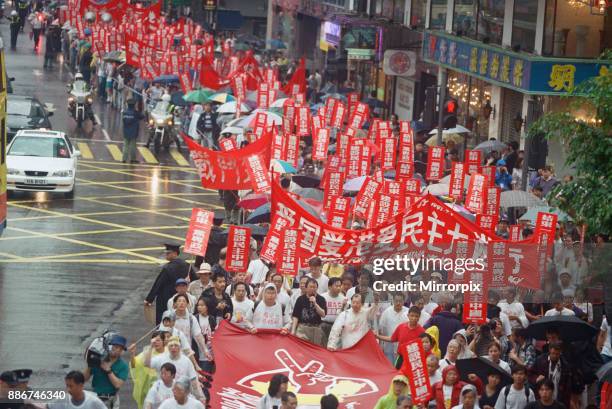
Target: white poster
404, 98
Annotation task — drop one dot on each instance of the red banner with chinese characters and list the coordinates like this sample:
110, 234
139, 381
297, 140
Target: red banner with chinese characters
435, 163
263, 95
359, 115
238, 244
261, 124
457, 180
491, 201
313, 371
546, 225
270, 250
259, 175
368, 192
514, 233
489, 173
352, 99
228, 144
302, 121
339, 211
288, 262
338, 115
473, 161
200, 225
291, 149
228, 170
387, 148
486, 222
334, 184
415, 369
278, 145
474, 200
320, 144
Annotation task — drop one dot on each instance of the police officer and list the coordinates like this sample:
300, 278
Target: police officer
15, 25
23, 7
131, 127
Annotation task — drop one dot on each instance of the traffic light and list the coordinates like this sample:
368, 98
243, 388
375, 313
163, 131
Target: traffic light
429, 108
450, 113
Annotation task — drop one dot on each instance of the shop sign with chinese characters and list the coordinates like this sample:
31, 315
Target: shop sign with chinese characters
520, 71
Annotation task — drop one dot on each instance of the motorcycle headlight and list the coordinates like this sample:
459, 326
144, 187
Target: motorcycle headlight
11, 171
169, 121
70, 100
89, 100
160, 122
151, 122
63, 173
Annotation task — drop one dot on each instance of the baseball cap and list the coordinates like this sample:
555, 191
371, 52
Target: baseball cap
118, 340
181, 281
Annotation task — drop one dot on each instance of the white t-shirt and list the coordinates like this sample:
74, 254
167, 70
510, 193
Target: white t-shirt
553, 312
243, 311
425, 316
283, 298
184, 367
158, 393
607, 347
267, 402
436, 377
258, 271
514, 308
188, 325
191, 403
192, 302
516, 399
429, 308
91, 402
334, 306
502, 364
349, 328
323, 281
269, 317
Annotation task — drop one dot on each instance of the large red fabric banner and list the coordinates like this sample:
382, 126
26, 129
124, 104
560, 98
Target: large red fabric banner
200, 225
357, 376
228, 170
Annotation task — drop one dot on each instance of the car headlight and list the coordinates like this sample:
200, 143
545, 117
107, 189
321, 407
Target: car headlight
13, 171
63, 173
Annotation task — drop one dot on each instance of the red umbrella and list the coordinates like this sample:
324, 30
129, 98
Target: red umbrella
254, 200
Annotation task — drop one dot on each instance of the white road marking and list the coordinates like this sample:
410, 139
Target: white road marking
106, 136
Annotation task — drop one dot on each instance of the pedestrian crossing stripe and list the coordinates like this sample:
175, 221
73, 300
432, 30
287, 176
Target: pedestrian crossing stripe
85, 151
180, 159
115, 152
147, 155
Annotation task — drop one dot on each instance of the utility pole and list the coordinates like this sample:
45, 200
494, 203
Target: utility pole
442, 96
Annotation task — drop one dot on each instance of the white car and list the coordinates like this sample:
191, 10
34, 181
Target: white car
40, 160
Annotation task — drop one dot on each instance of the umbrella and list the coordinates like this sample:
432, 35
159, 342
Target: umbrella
176, 99
335, 95
462, 211
260, 215
115, 56
532, 214
519, 198
234, 130
279, 103
198, 96
433, 141
306, 180
249, 120
254, 200
166, 79
490, 146
310, 209
457, 129
604, 374
230, 108
257, 230
221, 97
466, 180
282, 166
482, 367
242, 47
438, 189
354, 185
570, 328
310, 193
276, 44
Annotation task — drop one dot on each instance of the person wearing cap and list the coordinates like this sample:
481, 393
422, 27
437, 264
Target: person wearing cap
109, 377
502, 229
184, 367
8, 382
269, 313
130, 119
23, 378
168, 327
182, 286
514, 309
197, 287
164, 287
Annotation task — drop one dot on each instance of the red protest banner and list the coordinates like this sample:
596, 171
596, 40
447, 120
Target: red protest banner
365, 160
352, 100
288, 262
330, 104
474, 200
302, 121
406, 148
383, 208
228, 144
489, 172
339, 211
514, 233
291, 149
457, 180
185, 82
353, 169
368, 192
196, 240
270, 250
278, 146
261, 124
318, 122
258, 172
435, 163
320, 144
359, 115
387, 148
334, 183
497, 255
238, 244
473, 161
415, 369
546, 225
338, 115
486, 222
263, 95
491, 201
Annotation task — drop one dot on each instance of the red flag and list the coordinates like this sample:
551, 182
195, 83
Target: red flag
320, 144
457, 180
200, 225
435, 163
297, 81
209, 78
369, 191
259, 175
238, 244
288, 262
474, 200
339, 211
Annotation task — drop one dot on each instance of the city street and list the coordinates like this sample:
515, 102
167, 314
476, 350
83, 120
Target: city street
69, 269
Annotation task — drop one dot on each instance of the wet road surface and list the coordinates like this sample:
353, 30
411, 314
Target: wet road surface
70, 268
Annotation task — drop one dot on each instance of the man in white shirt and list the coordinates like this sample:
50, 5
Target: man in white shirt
243, 307
161, 388
196, 288
269, 313
351, 325
181, 287
514, 309
315, 266
390, 319
78, 397
603, 341
335, 304
240, 277
558, 308
257, 269
517, 395
182, 399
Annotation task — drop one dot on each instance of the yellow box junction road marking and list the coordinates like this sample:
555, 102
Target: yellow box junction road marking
180, 159
147, 155
115, 152
85, 151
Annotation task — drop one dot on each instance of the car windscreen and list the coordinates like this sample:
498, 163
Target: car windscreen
25, 108
37, 146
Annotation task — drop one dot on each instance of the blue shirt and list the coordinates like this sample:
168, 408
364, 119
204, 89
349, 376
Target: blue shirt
131, 122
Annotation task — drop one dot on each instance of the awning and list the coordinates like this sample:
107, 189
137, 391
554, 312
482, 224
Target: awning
229, 20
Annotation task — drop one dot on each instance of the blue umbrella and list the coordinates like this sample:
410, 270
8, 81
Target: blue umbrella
260, 215
167, 79
257, 230
276, 44
337, 96
532, 214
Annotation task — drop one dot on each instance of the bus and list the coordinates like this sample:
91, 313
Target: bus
3, 141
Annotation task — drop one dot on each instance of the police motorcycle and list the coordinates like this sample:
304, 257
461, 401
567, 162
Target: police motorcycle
161, 125
80, 101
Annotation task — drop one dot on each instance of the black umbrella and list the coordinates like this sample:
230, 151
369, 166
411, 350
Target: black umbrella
306, 180
256, 230
570, 328
482, 367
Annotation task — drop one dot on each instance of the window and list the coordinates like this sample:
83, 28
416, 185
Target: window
549, 27
417, 13
524, 24
464, 22
437, 20
491, 21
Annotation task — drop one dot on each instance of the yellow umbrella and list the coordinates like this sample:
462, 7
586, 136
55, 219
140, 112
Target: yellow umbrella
433, 141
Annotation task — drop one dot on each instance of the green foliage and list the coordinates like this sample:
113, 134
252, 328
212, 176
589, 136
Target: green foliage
588, 198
